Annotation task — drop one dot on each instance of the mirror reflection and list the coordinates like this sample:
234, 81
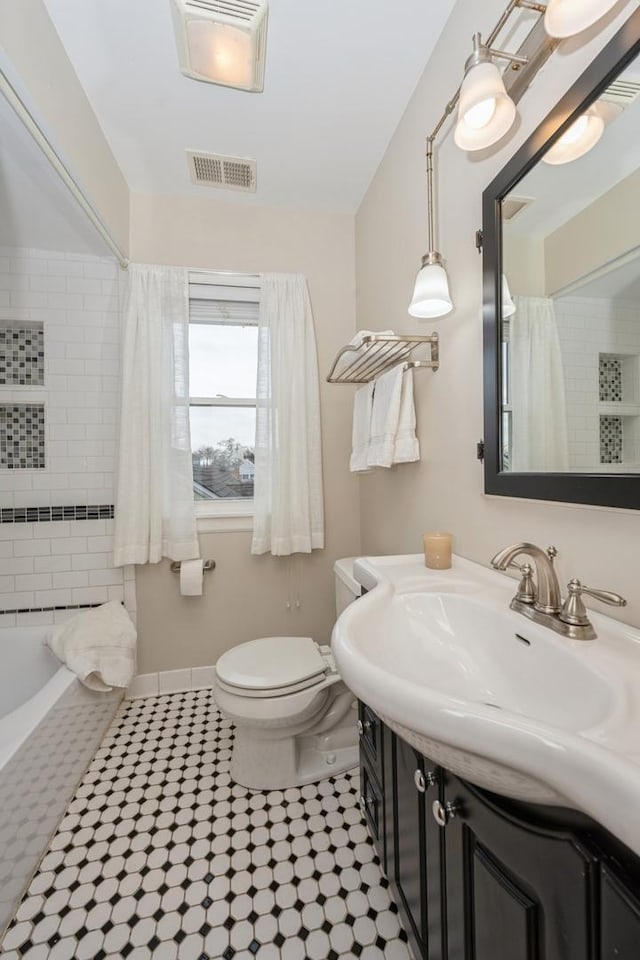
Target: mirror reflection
571, 297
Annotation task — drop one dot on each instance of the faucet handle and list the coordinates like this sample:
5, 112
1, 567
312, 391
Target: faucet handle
574, 610
526, 592
552, 553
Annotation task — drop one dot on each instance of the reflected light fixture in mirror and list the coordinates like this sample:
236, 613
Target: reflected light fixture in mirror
582, 136
485, 111
508, 306
564, 18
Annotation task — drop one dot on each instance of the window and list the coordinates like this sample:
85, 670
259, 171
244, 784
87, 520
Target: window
223, 360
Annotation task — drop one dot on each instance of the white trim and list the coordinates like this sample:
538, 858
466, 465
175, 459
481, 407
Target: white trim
225, 279
170, 681
224, 524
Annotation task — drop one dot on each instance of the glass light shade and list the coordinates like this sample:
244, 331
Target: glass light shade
221, 53
431, 297
485, 111
564, 18
581, 137
508, 306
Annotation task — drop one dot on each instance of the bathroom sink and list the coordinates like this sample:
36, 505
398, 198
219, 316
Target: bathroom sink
495, 698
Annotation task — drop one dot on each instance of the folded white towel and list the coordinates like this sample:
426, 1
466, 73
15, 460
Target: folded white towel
360, 348
384, 417
407, 447
361, 431
98, 645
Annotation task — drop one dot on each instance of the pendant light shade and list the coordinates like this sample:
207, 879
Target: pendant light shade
564, 18
431, 297
485, 112
508, 306
581, 137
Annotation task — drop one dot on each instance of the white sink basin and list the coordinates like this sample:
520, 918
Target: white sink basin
501, 701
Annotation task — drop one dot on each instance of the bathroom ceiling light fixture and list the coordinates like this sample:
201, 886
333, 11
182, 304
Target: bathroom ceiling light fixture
564, 18
431, 297
222, 41
485, 110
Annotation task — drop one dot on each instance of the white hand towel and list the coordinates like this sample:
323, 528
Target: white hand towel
384, 417
360, 350
98, 645
361, 431
407, 447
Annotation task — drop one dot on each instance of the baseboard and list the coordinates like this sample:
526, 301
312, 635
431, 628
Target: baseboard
170, 681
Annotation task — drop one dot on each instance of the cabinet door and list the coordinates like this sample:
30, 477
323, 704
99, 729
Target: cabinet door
619, 918
417, 861
514, 892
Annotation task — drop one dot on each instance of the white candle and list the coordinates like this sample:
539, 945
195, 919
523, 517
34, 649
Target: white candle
437, 550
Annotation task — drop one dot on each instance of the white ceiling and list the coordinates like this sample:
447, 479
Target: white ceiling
338, 77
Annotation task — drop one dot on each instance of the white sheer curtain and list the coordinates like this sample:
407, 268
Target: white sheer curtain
155, 514
288, 502
538, 400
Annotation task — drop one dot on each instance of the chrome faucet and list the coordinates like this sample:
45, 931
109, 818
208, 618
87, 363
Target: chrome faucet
542, 601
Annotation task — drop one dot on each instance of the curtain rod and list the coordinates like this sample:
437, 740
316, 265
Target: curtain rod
26, 117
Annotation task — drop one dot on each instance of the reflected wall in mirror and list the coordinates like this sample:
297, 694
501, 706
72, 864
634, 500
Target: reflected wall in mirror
571, 261
561, 226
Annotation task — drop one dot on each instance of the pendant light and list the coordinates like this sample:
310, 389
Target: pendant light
485, 110
582, 136
431, 297
564, 18
508, 306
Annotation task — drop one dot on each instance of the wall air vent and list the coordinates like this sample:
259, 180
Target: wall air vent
230, 173
512, 206
222, 41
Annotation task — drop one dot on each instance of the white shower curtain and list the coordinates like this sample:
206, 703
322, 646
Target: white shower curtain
538, 400
288, 501
155, 513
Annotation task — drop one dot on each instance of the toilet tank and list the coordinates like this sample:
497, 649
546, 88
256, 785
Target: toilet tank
347, 587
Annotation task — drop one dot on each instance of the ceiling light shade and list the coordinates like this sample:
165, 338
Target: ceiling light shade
508, 306
485, 111
222, 41
431, 297
581, 137
564, 18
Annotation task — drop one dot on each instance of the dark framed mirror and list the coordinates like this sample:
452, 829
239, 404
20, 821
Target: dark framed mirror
561, 305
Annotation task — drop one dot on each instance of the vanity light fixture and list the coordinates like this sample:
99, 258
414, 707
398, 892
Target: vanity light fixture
431, 297
485, 110
582, 136
222, 41
564, 18
508, 306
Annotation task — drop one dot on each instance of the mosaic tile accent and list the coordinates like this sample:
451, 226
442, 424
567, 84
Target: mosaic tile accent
610, 439
103, 511
610, 378
22, 356
66, 606
161, 855
22, 436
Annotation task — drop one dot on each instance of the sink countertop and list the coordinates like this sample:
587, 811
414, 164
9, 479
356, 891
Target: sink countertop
503, 702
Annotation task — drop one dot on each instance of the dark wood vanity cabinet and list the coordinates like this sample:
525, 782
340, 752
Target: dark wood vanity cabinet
477, 877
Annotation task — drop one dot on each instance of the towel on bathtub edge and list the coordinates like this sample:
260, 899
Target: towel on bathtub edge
98, 645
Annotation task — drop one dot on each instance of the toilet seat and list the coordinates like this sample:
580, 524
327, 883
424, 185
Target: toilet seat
273, 667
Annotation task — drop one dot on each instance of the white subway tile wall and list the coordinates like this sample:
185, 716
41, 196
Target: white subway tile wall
589, 328
63, 562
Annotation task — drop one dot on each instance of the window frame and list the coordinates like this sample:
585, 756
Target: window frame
226, 513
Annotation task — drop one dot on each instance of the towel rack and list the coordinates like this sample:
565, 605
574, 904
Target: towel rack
377, 353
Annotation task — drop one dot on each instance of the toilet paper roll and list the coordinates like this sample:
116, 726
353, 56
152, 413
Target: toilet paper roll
191, 572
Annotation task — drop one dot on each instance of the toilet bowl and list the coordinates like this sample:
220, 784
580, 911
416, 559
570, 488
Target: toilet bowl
295, 720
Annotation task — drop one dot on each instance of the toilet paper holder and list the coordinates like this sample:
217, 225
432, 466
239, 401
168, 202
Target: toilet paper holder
207, 565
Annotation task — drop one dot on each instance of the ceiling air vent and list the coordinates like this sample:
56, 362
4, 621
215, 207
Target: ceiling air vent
222, 41
512, 206
622, 91
230, 173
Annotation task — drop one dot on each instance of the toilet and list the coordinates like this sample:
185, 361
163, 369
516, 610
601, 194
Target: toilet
295, 720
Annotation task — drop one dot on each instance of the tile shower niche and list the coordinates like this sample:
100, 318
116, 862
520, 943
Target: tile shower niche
22, 415
619, 410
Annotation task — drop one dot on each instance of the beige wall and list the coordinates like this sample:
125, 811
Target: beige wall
524, 265
53, 93
606, 230
445, 491
247, 596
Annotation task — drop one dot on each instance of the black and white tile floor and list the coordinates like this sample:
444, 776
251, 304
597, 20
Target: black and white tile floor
160, 855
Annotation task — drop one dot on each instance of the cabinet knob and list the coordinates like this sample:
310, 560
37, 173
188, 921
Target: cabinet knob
424, 780
362, 727
442, 813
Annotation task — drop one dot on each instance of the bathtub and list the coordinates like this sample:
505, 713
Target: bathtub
50, 727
